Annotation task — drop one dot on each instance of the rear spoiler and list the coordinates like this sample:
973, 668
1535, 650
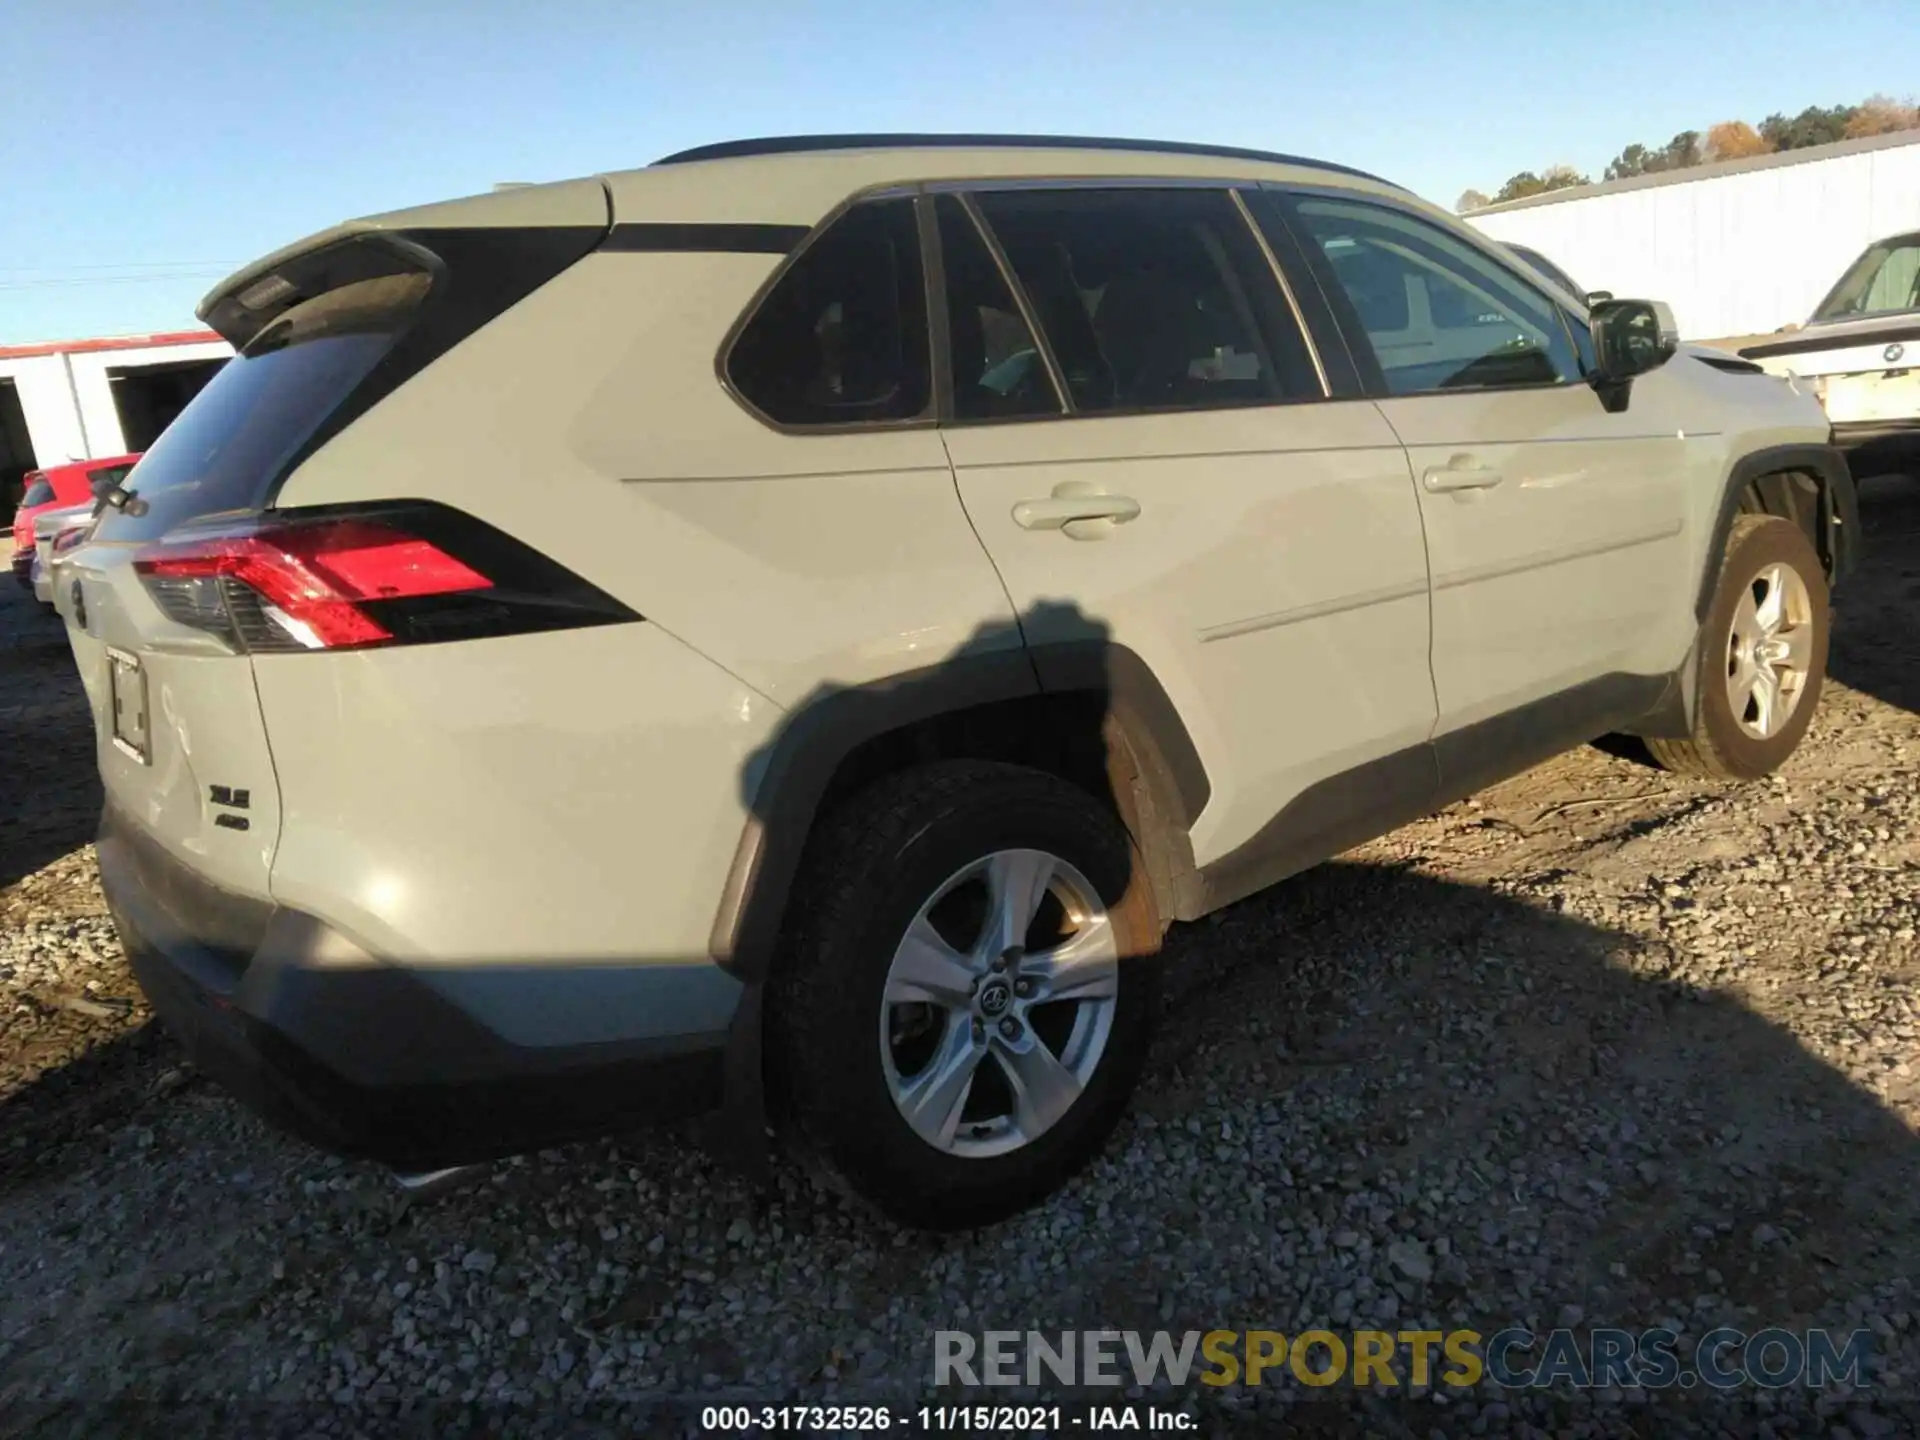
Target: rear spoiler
396, 243
252, 298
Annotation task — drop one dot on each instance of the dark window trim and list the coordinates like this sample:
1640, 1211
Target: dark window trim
1359, 343
1346, 375
1024, 303
638, 237
1286, 288
929, 416
933, 274
986, 184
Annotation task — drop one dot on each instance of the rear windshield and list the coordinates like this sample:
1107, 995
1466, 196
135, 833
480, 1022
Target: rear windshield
38, 493
1884, 281
226, 448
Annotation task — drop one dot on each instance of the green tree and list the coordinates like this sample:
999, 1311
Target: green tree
1519, 187
1632, 161
1682, 152
1526, 183
1812, 126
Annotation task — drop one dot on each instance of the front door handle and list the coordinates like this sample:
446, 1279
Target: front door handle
1077, 508
1461, 473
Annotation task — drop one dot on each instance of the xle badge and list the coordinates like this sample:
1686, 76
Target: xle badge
233, 800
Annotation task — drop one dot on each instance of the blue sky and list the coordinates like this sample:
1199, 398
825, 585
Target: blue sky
145, 148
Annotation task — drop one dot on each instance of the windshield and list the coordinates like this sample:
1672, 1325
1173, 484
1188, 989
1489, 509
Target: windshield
1884, 281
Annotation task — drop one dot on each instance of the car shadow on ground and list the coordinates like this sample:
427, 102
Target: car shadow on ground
1563, 1127
1876, 638
50, 801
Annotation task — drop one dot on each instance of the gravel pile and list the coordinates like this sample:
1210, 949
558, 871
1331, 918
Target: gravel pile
1598, 1048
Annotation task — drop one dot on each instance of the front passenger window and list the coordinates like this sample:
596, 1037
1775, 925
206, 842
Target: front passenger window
1439, 314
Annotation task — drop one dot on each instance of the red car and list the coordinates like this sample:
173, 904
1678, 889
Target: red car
55, 486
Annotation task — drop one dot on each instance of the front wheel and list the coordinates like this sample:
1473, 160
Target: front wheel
1762, 655
967, 1002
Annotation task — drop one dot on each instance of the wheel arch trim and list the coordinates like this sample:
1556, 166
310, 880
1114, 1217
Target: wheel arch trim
1149, 749
1838, 537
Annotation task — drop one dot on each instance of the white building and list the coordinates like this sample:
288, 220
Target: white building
1738, 248
86, 399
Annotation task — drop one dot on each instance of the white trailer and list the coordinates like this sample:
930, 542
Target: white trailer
1738, 248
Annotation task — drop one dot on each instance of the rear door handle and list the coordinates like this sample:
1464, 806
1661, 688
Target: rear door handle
1461, 474
1077, 508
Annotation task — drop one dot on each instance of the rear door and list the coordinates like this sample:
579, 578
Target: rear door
1162, 467
1555, 527
182, 747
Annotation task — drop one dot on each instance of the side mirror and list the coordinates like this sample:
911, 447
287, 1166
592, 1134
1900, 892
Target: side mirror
1598, 297
1630, 337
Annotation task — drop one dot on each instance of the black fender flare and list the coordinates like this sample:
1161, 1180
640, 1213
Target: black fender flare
1837, 532
1158, 780
1837, 537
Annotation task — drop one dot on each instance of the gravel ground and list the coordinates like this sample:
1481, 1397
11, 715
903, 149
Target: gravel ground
1599, 1047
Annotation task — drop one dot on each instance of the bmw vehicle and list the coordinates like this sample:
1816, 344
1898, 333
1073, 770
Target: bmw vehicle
1860, 354
787, 629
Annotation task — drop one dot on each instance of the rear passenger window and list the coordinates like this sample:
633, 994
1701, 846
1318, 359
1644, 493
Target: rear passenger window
1152, 299
842, 337
997, 369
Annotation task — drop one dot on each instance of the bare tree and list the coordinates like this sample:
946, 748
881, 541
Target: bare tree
1881, 115
1470, 200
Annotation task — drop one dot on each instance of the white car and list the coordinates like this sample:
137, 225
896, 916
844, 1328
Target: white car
1860, 354
789, 628
53, 531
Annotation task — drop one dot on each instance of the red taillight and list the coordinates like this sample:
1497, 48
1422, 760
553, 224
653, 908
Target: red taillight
318, 577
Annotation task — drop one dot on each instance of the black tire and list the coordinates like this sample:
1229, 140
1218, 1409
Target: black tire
1719, 748
877, 861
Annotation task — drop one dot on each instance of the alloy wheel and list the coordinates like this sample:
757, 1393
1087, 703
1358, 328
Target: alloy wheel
1769, 651
999, 1003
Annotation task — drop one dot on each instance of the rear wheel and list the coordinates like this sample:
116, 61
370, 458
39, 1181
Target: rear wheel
1762, 655
966, 1004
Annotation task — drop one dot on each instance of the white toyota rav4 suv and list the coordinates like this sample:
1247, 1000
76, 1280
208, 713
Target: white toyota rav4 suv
788, 629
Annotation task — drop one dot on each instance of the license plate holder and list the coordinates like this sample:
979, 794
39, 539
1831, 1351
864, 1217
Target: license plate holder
127, 695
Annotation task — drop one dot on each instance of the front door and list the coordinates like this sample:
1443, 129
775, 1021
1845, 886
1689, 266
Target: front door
1555, 528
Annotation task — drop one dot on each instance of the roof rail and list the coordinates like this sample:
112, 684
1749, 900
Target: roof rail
801, 144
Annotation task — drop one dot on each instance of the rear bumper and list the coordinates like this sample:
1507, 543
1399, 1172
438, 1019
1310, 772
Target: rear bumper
365, 1058
23, 568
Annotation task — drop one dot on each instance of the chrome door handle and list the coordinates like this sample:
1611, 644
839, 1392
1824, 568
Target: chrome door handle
1461, 474
1079, 509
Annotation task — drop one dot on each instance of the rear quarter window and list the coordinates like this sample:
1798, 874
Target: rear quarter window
841, 339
